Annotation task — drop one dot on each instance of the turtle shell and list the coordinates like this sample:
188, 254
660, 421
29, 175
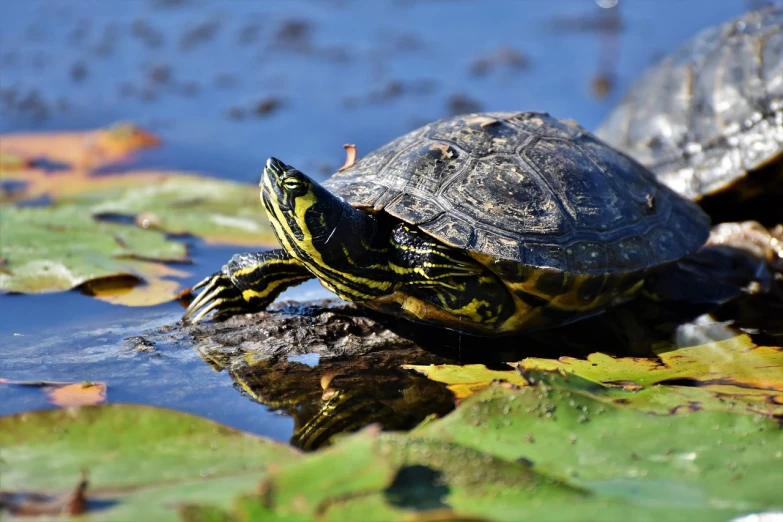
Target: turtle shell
526, 188
710, 112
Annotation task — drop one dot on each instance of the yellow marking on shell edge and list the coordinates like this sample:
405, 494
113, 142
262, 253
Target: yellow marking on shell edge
286, 236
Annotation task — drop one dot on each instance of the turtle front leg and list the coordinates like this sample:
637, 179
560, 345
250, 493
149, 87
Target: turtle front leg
247, 283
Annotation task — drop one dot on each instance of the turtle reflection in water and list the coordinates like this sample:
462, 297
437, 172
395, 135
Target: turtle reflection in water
338, 394
485, 223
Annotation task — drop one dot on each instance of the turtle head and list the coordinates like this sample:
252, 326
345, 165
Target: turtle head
309, 221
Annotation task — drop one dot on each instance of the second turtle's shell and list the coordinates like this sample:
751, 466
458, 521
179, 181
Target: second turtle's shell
710, 112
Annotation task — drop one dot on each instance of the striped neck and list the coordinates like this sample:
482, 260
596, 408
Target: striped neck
334, 241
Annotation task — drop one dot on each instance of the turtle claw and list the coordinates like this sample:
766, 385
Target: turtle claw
217, 291
205, 281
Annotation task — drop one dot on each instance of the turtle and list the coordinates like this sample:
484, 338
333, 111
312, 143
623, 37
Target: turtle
485, 223
708, 118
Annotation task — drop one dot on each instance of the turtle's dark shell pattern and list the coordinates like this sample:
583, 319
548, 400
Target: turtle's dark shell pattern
528, 189
712, 111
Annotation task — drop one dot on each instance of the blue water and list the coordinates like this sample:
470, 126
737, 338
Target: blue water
349, 71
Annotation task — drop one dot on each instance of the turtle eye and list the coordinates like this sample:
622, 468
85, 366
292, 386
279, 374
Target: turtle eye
293, 184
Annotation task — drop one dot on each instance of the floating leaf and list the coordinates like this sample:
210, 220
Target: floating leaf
465, 380
568, 427
219, 211
734, 362
390, 477
73, 244
142, 461
50, 249
77, 394
155, 287
10, 162
731, 375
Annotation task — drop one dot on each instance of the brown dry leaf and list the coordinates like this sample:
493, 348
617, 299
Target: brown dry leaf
350, 157
77, 394
33, 504
80, 150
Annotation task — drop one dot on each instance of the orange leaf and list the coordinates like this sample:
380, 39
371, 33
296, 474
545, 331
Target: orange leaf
80, 150
77, 394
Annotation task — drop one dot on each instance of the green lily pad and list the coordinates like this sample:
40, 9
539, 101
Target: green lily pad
215, 210
391, 477
551, 451
570, 428
58, 248
68, 243
141, 462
